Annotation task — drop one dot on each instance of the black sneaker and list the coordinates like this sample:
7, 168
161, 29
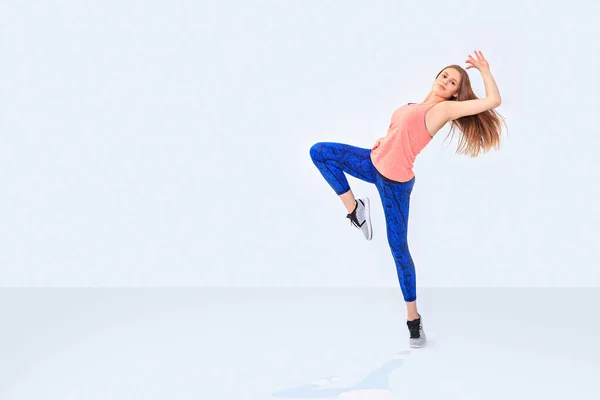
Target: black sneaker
361, 217
417, 335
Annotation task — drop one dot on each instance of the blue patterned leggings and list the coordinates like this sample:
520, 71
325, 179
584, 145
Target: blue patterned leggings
333, 159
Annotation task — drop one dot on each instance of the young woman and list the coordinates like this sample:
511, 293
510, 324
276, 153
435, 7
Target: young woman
388, 164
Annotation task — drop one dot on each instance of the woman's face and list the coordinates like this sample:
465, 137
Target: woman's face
447, 83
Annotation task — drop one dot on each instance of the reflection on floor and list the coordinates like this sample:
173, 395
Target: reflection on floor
303, 343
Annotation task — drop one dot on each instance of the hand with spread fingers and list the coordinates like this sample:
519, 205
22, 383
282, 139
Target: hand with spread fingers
478, 62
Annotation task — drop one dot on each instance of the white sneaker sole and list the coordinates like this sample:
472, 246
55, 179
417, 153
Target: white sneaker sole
422, 342
368, 218
418, 346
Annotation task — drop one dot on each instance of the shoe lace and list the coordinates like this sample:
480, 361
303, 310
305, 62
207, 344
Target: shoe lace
414, 327
353, 220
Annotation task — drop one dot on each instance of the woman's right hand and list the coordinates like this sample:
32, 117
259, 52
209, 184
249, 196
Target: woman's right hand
479, 62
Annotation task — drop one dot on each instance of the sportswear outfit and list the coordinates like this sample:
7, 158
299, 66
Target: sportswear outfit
388, 165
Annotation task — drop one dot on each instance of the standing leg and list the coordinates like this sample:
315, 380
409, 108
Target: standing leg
395, 198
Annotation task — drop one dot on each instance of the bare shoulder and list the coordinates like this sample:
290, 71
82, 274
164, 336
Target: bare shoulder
436, 118
457, 109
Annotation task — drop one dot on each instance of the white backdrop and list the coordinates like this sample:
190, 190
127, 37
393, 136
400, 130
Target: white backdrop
167, 143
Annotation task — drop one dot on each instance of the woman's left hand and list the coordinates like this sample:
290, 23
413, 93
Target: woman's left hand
479, 62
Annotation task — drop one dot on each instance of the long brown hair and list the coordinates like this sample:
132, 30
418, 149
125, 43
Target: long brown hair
480, 132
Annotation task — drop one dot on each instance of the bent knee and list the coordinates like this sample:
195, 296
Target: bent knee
317, 150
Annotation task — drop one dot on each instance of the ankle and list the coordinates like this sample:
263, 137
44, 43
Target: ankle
351, 211
412, 317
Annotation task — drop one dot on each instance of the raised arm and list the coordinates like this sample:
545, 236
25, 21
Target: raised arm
458, 109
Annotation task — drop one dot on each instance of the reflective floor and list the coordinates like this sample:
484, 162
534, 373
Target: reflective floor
194, 343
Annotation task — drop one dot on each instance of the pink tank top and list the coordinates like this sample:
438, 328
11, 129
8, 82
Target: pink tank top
394, 154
